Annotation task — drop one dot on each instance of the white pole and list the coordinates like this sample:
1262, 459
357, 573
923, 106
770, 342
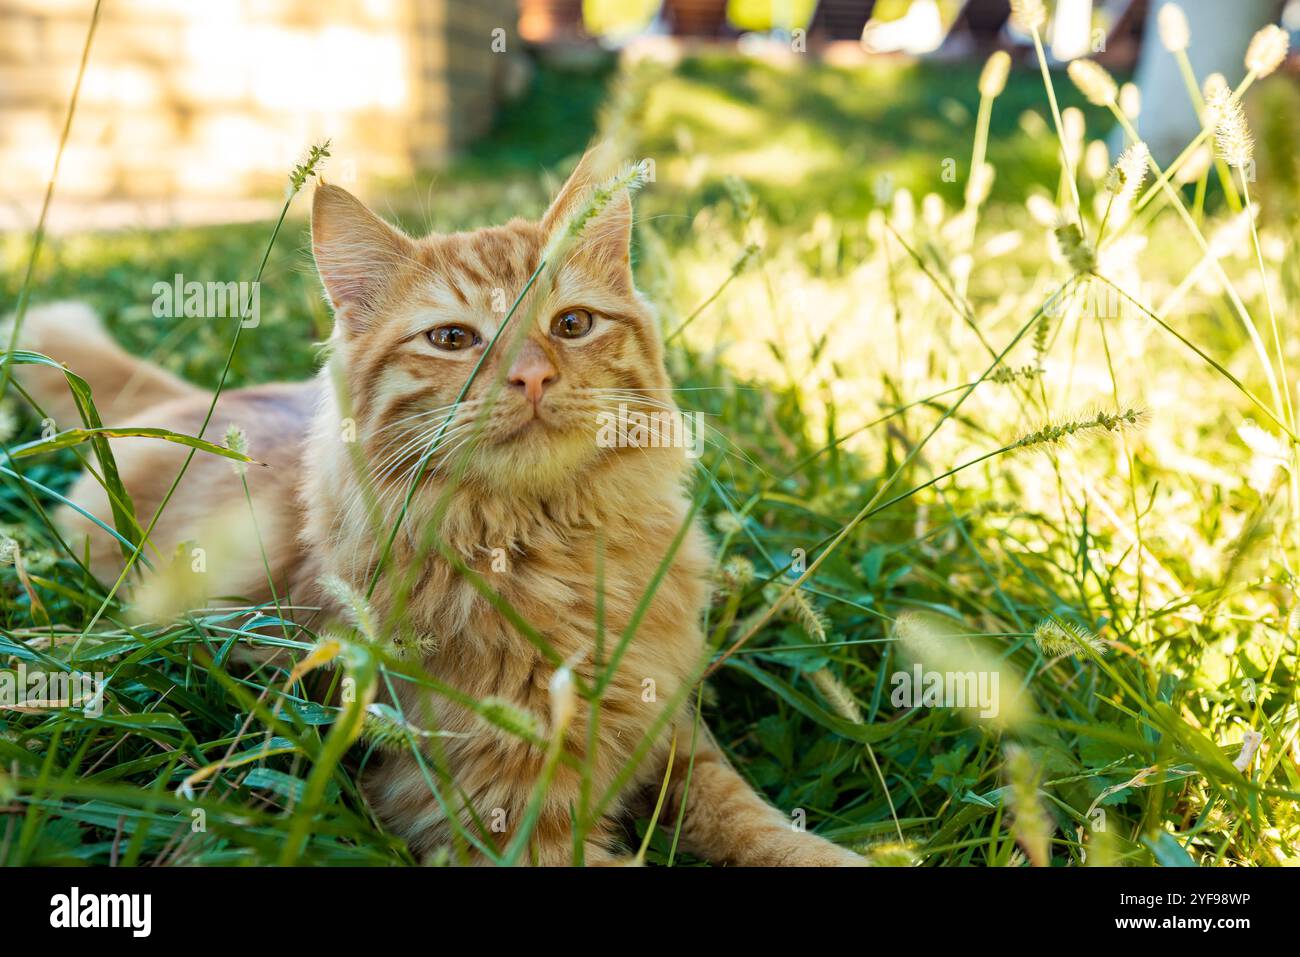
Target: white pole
1072, 29
1221, 31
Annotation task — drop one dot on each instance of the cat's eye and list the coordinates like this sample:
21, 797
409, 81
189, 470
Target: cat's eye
572, 324
453, 338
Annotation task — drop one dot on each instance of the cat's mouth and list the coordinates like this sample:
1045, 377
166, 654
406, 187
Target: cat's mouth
526, 448
527, 425
528, 420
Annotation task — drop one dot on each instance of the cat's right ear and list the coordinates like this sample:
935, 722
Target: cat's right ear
358, 255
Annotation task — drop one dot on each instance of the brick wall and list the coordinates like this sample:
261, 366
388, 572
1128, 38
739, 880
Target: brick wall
219, 98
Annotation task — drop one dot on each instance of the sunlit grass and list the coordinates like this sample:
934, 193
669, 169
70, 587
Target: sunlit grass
849, 364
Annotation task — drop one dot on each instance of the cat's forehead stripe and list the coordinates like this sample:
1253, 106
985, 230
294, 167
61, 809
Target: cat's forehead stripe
442, 295
469, 269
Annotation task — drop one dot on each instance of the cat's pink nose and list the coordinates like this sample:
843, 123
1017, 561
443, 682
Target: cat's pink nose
532, 372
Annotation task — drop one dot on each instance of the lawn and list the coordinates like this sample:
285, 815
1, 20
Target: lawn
993, 456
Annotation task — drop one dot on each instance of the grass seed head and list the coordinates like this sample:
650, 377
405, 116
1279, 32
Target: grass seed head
630, 178
837, 694
509, 718
1042, 210
1042, 331
1231, 132
386, 729
1175, 32
355, 606
1028, 15
737, 572
1094, 82
1096, 160
1130, 100
1129, 171
1267, 51
1076, 250
305, 170
993, 78
800, 610
728, 523
236, 439
1214, 85
596, 199
1030, 823
1056, 639
1056, 433
892, 854
1005, 375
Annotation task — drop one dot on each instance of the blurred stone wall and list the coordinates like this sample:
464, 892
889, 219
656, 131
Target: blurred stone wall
186, 99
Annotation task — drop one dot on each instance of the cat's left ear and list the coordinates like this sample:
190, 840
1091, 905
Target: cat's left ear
605, 243
358, 255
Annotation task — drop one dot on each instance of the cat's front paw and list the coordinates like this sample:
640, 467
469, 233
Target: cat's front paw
826, 854
807, 850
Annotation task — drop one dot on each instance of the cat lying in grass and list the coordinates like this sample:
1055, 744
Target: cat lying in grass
516, 489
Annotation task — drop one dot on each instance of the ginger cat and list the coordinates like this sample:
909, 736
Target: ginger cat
412, 317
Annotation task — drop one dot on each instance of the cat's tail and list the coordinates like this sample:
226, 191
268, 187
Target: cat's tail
72, 334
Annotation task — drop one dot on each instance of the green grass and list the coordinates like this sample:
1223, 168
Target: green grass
830, 365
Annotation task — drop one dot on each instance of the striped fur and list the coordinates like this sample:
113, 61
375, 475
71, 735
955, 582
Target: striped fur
538, 507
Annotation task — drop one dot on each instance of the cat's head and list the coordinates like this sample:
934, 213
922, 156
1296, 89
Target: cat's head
413, 317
